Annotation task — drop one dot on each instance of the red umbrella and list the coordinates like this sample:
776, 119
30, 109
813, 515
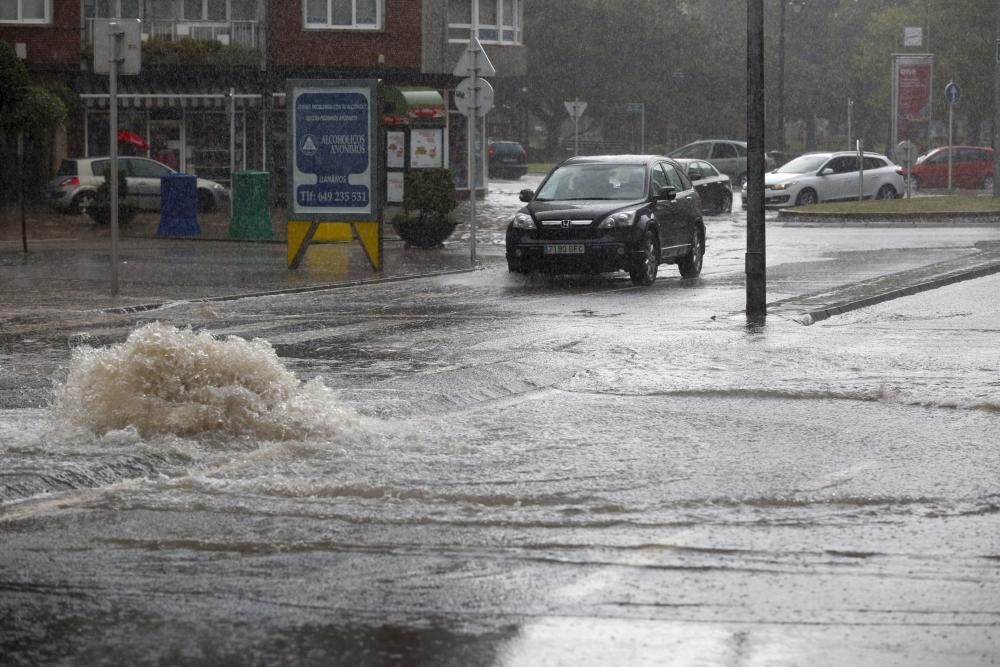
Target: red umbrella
126, 137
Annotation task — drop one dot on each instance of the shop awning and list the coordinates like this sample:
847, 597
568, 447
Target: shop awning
416, 107
192, 95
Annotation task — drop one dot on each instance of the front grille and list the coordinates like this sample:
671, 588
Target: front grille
569, 233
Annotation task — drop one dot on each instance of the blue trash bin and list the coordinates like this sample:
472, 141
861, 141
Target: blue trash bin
178, 206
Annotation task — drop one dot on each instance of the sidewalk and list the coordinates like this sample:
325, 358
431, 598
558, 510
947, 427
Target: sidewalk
68, 264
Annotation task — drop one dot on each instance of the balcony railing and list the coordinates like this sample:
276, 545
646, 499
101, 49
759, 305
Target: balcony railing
235, 33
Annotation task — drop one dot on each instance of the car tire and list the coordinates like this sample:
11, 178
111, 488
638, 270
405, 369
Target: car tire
725, 203
82, 201
691, 263
206, 202
886, 192
914, 183
518, 266
988, 183
806, 197
644, 271
741, 181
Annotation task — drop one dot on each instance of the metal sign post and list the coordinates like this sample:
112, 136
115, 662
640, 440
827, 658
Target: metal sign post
640, 108
952, 93
117, 51
115, 37
861, 170
473, 64
575, 109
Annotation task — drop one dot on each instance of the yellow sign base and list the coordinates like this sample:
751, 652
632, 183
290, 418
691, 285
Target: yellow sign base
302, 233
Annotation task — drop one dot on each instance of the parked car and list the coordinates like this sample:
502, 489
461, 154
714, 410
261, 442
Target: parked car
726, 155
507, 159
74, 187
607, 213
714, 188
818, 177
971, 167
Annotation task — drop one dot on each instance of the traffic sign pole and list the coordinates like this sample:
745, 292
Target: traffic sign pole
952, 93
474, 62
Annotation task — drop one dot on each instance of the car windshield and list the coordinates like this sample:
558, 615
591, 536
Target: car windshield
595, 181
802, 165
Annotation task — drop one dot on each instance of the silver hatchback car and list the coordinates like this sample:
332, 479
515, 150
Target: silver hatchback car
74, 187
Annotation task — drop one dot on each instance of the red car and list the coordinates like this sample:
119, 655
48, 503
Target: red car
971, 167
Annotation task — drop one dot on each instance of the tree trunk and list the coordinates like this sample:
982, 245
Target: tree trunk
20, 189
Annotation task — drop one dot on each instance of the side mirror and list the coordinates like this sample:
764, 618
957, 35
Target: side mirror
667, 192
826, 172
526, 195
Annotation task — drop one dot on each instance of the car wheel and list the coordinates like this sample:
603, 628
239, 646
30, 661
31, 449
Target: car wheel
643, 272
914, 183
690, 264
807, 197
206, 202
741, 181
886, 192
82, 202
988, 183
518, 266
726, 203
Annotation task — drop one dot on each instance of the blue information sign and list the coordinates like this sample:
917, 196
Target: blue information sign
952, 92
331, 137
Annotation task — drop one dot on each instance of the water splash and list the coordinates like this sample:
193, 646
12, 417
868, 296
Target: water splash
168, 381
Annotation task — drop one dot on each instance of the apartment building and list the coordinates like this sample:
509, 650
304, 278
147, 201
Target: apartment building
210, 97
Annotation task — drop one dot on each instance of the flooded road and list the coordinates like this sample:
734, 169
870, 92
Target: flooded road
483, 469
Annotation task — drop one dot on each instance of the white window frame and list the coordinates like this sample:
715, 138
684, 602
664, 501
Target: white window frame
327, 25
47, 4
458, 32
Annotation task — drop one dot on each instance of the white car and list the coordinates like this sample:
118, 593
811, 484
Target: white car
817, 177
74, 187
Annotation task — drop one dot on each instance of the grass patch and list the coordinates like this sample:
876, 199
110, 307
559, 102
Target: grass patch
915, 205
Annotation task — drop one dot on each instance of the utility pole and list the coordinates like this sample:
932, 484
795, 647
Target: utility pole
996, 99
755, 258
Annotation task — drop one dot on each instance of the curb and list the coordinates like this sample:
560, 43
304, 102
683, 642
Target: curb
890, 219
811, 317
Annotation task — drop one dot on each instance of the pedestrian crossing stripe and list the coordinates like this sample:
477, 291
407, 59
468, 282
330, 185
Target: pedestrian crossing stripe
302, 233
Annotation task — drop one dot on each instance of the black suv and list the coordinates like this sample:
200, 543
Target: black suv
507, 159
608, 213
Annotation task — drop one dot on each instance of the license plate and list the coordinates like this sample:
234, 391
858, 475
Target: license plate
565, 249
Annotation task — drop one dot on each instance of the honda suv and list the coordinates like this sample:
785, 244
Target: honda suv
607, 213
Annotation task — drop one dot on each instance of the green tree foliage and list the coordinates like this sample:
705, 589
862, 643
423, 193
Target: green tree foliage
13, 80
686, 66
961, 39
24, 107
686, 60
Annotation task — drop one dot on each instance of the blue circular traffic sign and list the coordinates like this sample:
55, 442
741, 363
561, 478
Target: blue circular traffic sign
952, 92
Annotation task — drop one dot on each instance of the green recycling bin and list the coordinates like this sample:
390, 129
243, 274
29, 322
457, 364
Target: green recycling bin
251, 208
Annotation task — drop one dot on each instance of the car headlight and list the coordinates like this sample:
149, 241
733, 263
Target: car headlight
620, 219
781, 186
523, 221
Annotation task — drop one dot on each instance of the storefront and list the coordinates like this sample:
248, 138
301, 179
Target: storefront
209, 134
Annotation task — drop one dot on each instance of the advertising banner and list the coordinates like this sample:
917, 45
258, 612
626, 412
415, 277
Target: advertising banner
332, 146
912, 99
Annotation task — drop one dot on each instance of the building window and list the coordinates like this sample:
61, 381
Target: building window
25, 11
496, 21
112, 9
343, 14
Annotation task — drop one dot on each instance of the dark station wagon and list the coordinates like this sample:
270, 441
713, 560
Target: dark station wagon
608, 213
